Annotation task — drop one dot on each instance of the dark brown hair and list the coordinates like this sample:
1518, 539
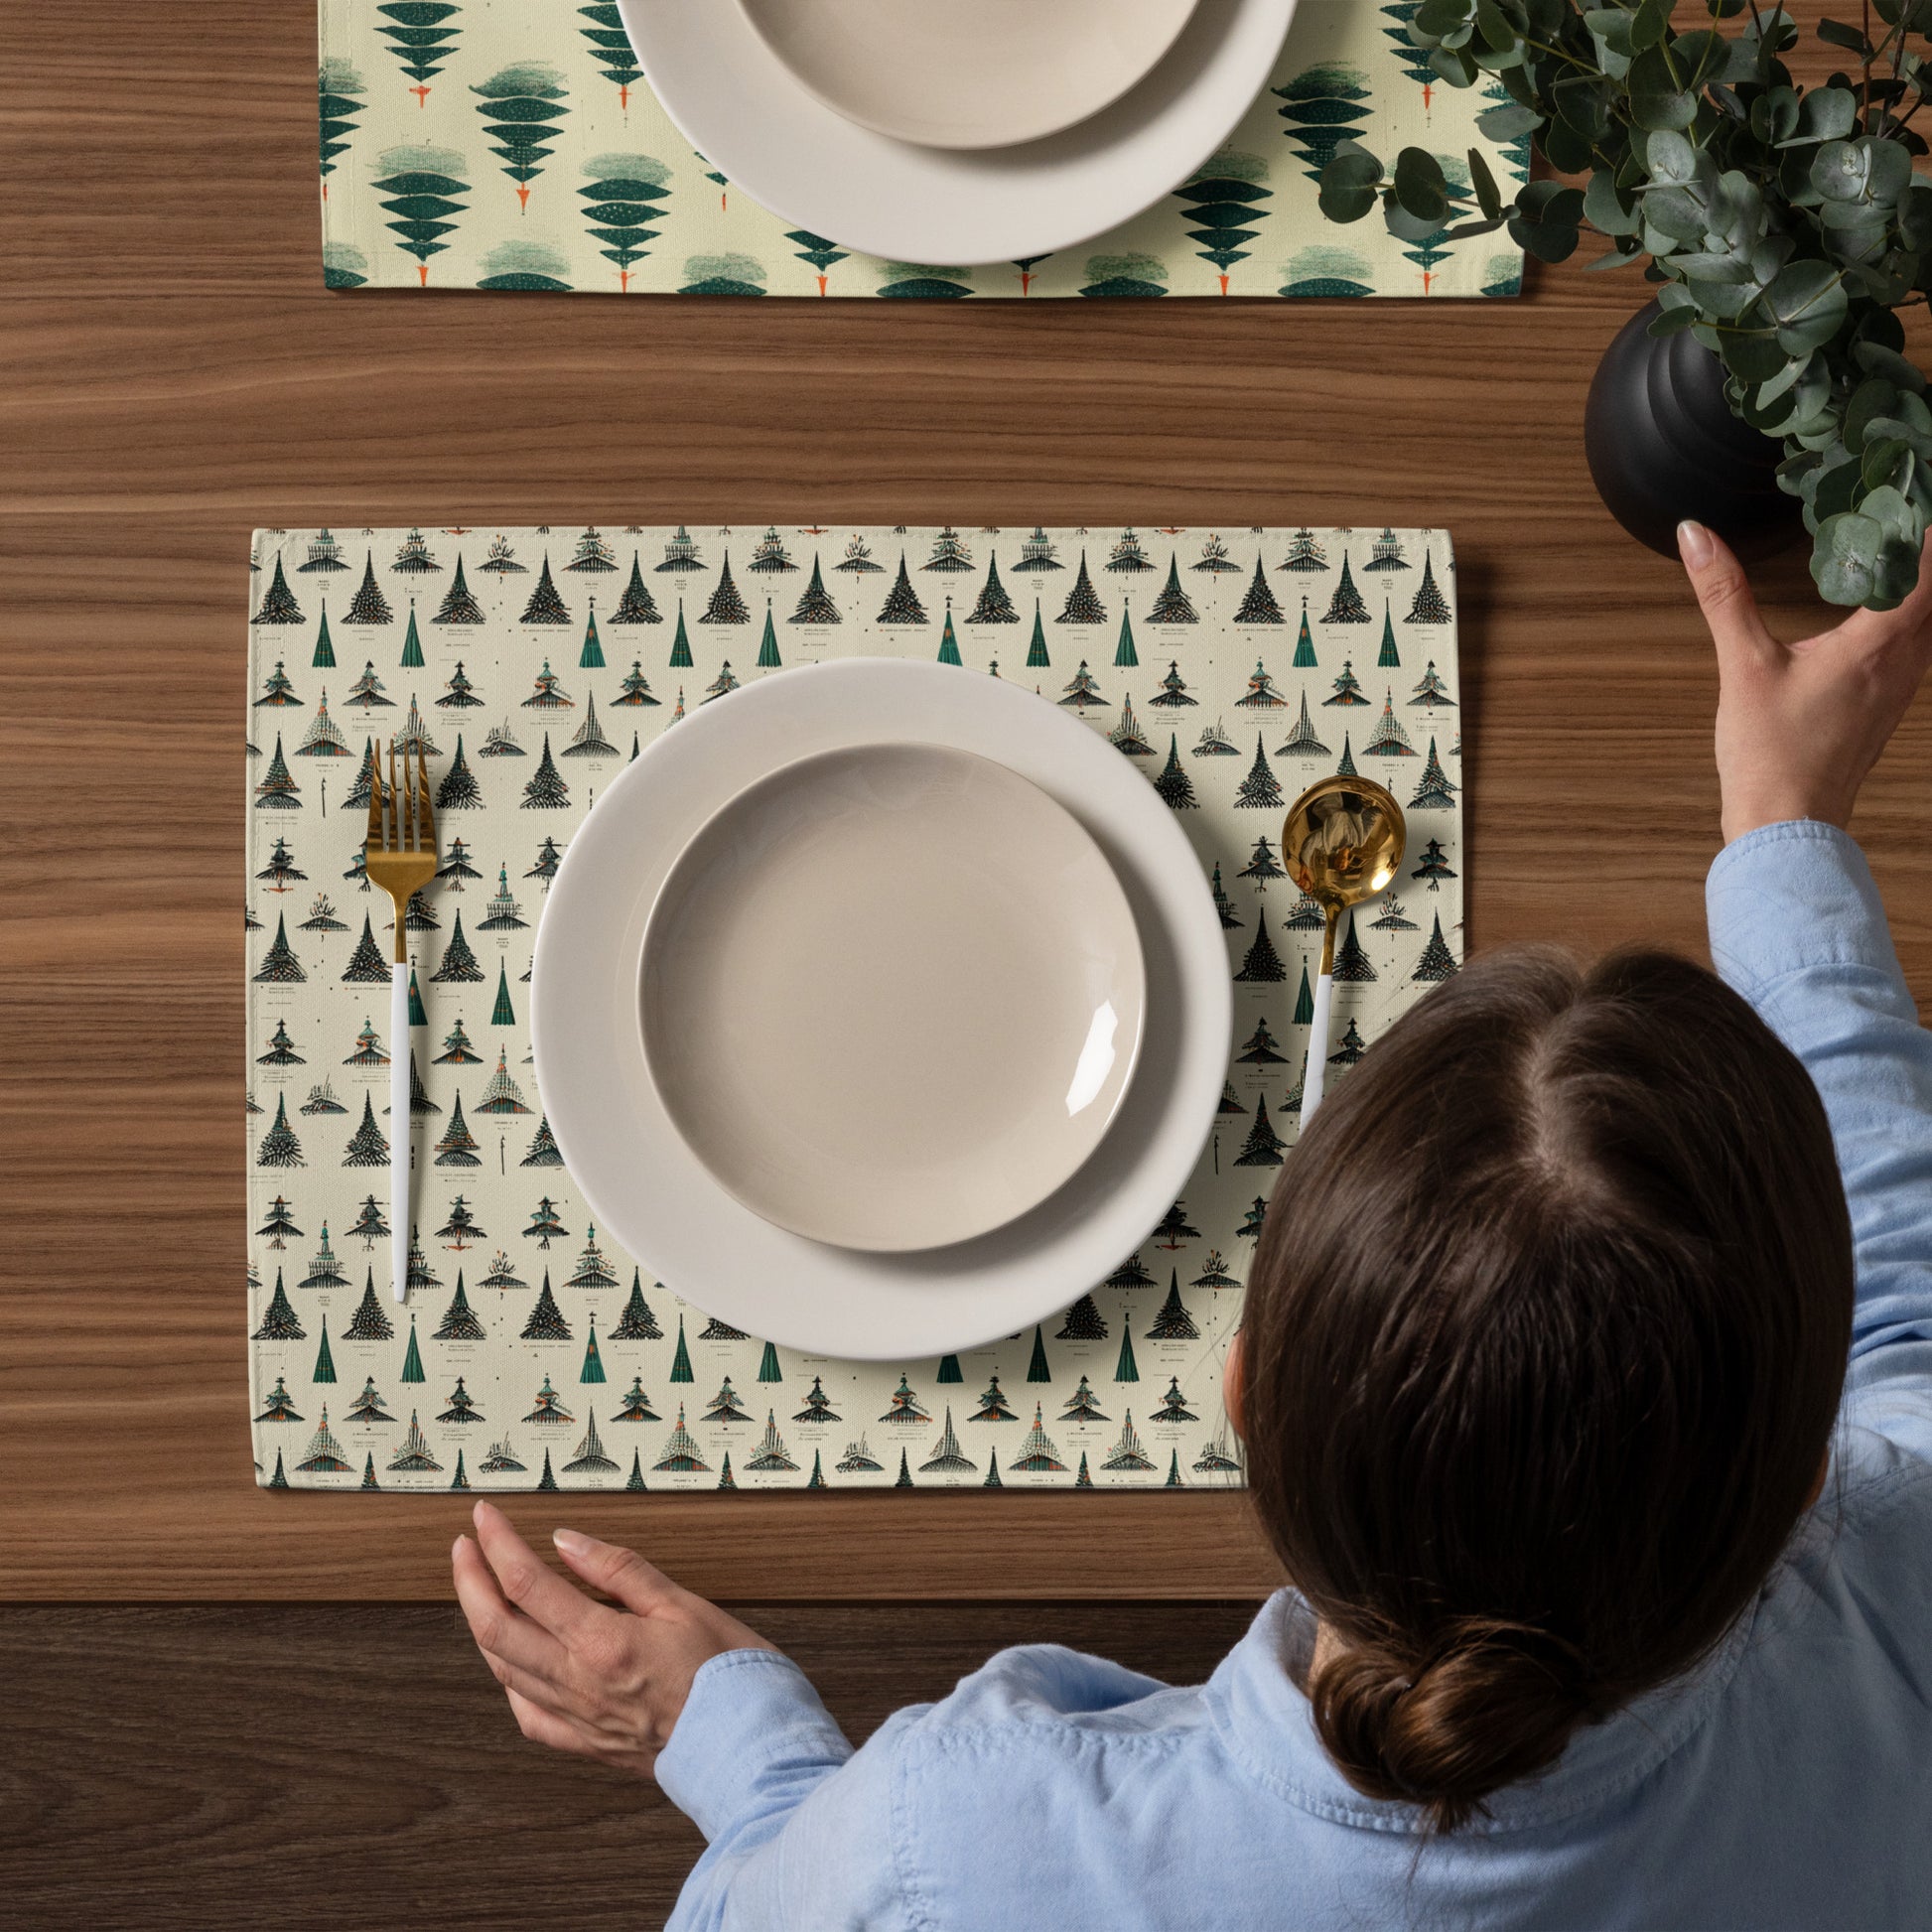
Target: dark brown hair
1541, 1352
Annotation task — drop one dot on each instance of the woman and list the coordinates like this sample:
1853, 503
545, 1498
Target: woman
1613, 1595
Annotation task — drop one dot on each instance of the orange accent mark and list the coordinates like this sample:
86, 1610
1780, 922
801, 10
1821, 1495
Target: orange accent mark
422, 275
821, 285
422, 96
522, 199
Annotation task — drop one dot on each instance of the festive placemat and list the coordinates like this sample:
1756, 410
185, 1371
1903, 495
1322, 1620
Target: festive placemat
494, 144
530, 665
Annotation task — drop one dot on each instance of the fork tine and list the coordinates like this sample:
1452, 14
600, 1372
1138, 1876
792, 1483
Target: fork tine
422, 793
375, 797
393, 841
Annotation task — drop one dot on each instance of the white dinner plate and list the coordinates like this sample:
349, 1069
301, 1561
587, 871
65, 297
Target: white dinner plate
741, 107
892, 996
639, 1176
988, 74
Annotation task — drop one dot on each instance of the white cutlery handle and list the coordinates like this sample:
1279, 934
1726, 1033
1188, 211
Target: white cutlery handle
1315, 1080
399, 1129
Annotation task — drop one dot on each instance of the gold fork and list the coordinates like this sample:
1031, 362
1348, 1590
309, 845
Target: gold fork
400, 855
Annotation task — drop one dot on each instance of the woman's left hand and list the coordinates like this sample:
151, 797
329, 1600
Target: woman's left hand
581, 1675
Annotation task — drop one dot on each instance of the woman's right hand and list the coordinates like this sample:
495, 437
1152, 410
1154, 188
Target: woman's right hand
1800, 726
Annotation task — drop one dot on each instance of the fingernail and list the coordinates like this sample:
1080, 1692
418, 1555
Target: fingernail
570, 1542
456, 1547
1694, 544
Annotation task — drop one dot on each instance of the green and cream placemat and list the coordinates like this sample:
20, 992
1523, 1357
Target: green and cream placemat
501, 145
530, 665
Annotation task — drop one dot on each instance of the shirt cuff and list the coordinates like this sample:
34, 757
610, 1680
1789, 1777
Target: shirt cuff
1790, 896
749, 1714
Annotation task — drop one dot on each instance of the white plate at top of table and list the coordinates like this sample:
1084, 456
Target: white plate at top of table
739, 104
986, 75
892, 996
637, 1174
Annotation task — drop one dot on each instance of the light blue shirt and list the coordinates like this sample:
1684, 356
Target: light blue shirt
1785, 1782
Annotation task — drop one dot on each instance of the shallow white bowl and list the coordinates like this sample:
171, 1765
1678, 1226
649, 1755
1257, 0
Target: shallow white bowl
987, 75
892, 996
632, 1167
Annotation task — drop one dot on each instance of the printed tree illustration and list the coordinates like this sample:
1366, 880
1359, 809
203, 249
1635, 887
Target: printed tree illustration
1214, 558
1323, 106
412, 1360
281, 867
1084, 1481
544, 1223
1038, 552
724, 1405
281, 1405
525, 99
1036, 659
1435, 866
368, 1146
727, 604
1305, 553
636, 1406
280, 1148
1353, 1046
681, 1450
1390, 740
1390, 657
818, 1404
991, 1471
593, 1269
418, 39
1225, 194
546, 605
1347, 607
1430, 605
1126, 735
770, 1452
458, 962
1263, 1146
923, 282
458, 1147
815, 605
1353, 966
543, 1147
1173, 1228
325, 657
1391, 919
278, 606
1128, 555
1436, 791
716, 1330
278, 689
1222, 904
993, 1404
769, 1367
463, 1406
547, 1323
770, 553
419, 186
1261, 791
1437, 963
1174, 1323
549, 856
904, 1405
1126, 658
1083, 605
902, 604
1215, 1273
459, 1322
621, 202
1262, 866
722, 686
823, 255
994, 605
858, 557
324, 1452
1176, 787
1084, 1405
1348, 688
1083, 693
367, 694
279, 966
278, 1319
278, 792
949, 552
1174, 605
1084, 1322
1327, 272
946, 1457
369, 1323
1172, 695
1432, 691
768, 658
370, 1223
592, 1369
1038, 1451
546, 790
501, 1275
413, 1451
368, 1410
548, 1411
1304, 742
339, 90
733, 274
1130, 1274
637, 1323
1132, 274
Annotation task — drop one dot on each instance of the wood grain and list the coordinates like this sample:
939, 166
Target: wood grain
175, 375
315, 1769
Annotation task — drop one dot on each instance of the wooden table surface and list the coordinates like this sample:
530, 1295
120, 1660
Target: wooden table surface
175, 375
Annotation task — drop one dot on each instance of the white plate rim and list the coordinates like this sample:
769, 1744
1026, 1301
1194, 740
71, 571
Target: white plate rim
691, 1234
1134, 960
741, 107
1184, 11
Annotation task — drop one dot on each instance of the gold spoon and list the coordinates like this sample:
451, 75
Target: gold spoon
1341, 845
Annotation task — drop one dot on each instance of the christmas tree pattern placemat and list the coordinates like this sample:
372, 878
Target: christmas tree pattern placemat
530, 665
499, 145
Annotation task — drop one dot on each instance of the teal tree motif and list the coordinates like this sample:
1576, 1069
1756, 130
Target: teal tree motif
1324, 108
419, 186
823, 255
1025, 266
344, 265
518, 264
521, 105
1433, 250
1414, 60
1223, 194
419, 39
722, 275
619, 203
1323, 269
338, 87
612, 47
1125, 275
917, 280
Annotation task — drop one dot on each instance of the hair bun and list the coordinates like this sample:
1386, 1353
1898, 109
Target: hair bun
1490, 1704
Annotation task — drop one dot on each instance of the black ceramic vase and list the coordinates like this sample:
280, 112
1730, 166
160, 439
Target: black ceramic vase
1663, 446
